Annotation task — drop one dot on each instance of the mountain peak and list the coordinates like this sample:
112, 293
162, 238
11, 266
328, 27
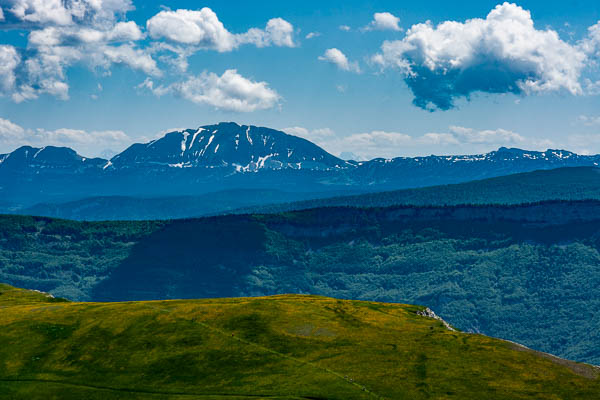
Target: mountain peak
228, 144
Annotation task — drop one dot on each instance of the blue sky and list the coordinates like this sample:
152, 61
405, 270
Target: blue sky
372, 78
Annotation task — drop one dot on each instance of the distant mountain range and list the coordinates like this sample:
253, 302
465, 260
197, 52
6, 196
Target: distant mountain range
228, 156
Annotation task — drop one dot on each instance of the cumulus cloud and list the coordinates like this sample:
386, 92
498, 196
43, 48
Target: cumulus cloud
1, 15
201, 28
278, 32
204, 29
503, 53
65, 33
230, 91
88, 143
344, 28
96, 34
311, 35
336, 57
384, 21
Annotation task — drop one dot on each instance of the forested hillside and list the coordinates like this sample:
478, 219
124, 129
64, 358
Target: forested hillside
575, 183
526, 273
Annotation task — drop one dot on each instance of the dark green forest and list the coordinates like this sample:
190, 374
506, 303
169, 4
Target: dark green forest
527, 273
575, 183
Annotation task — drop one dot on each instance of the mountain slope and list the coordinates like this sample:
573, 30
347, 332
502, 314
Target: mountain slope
284, 347
574, 183
528, 273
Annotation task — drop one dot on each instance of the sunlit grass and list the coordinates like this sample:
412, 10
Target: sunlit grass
283, 347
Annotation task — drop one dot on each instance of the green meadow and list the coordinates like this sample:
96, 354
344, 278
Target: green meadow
278, 347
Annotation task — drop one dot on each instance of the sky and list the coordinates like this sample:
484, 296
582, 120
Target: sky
360, 78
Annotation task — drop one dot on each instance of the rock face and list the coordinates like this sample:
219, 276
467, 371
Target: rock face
228, 156
427, 312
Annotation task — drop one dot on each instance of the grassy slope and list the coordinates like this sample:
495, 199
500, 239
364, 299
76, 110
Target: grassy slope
576, 183
286, 347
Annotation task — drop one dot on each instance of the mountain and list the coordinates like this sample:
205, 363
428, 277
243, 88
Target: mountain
48, 158
527, 273
228, 156
245, 148
283, 347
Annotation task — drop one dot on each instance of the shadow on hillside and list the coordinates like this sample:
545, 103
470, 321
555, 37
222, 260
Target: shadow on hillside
186, 259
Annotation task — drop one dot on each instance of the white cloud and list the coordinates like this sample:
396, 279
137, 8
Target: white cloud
591, 43
201, 28
95, 33
384, 21
344, 28
66, 33
336, 57
488, 136
503, 53
132, 57
315, 135
87, 143
67, 12
311, 35
369, 145
42, 12
230, 91
439, 139
204, 30
278, 32
1, 15
10, 131
9, 61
